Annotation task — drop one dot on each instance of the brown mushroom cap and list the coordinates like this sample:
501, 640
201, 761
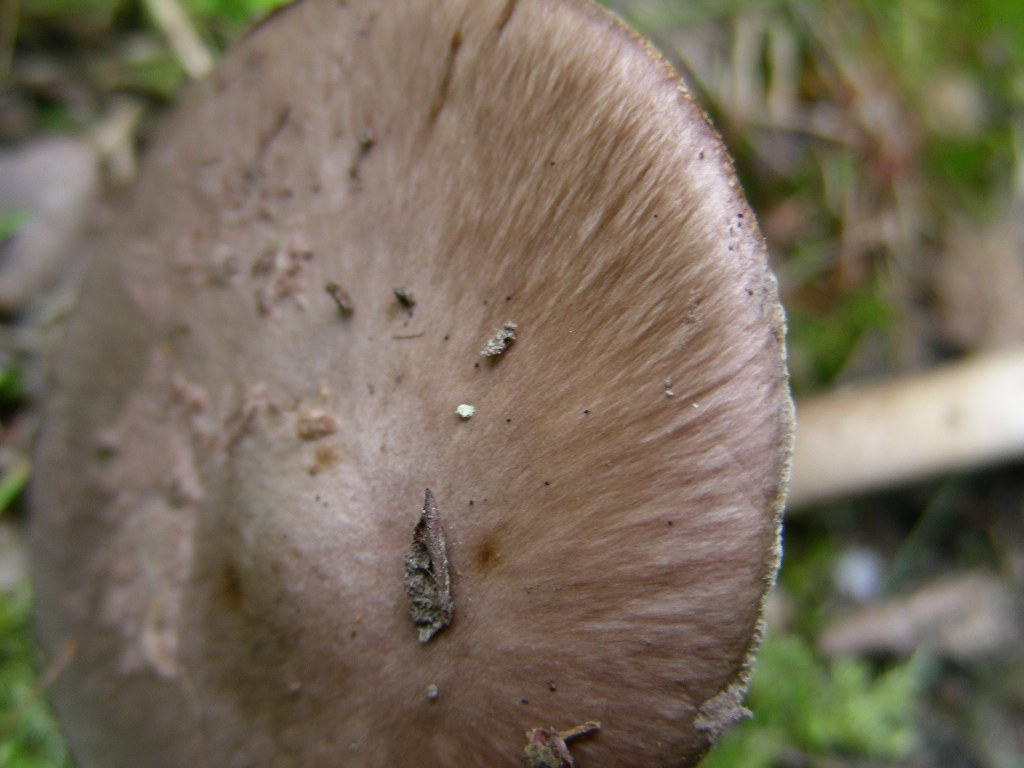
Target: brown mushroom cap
231, 469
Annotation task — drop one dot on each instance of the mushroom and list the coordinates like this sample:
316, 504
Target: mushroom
234, 577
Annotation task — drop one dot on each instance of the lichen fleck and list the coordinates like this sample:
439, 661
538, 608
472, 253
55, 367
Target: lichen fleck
500, 341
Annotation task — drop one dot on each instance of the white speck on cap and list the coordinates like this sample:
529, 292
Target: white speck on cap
465, 411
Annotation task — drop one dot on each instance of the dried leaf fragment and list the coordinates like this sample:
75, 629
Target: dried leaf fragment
500, 341
427, 580
546, 747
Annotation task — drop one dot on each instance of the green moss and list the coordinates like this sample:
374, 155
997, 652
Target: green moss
822, 708
29, 737
11, 222
822, 339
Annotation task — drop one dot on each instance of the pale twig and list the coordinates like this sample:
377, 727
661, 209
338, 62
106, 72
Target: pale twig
859, 439
114, 138
173, 21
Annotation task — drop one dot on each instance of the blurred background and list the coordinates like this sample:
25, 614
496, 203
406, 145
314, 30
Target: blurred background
881, 144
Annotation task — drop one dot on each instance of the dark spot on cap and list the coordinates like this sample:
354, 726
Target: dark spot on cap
324, 457
485, 556
231, 586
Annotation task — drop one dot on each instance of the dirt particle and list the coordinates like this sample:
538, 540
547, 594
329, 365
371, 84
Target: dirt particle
465, 411
364, 145
432, 692
404, 297
341, 298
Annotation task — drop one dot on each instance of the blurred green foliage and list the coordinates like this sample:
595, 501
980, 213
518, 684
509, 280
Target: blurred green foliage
821, 708
234, 11
11, 222
829, 336
29, 737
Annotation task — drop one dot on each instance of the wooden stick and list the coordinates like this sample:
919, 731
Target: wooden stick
173, 21
864, 438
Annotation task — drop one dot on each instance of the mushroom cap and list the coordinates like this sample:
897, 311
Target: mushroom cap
231, 470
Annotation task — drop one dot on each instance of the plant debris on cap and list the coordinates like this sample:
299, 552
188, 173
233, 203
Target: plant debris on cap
547, 748
500, 341
233, 572
427, 581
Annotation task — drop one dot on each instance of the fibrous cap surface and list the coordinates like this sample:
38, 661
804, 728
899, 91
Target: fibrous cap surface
234, 459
